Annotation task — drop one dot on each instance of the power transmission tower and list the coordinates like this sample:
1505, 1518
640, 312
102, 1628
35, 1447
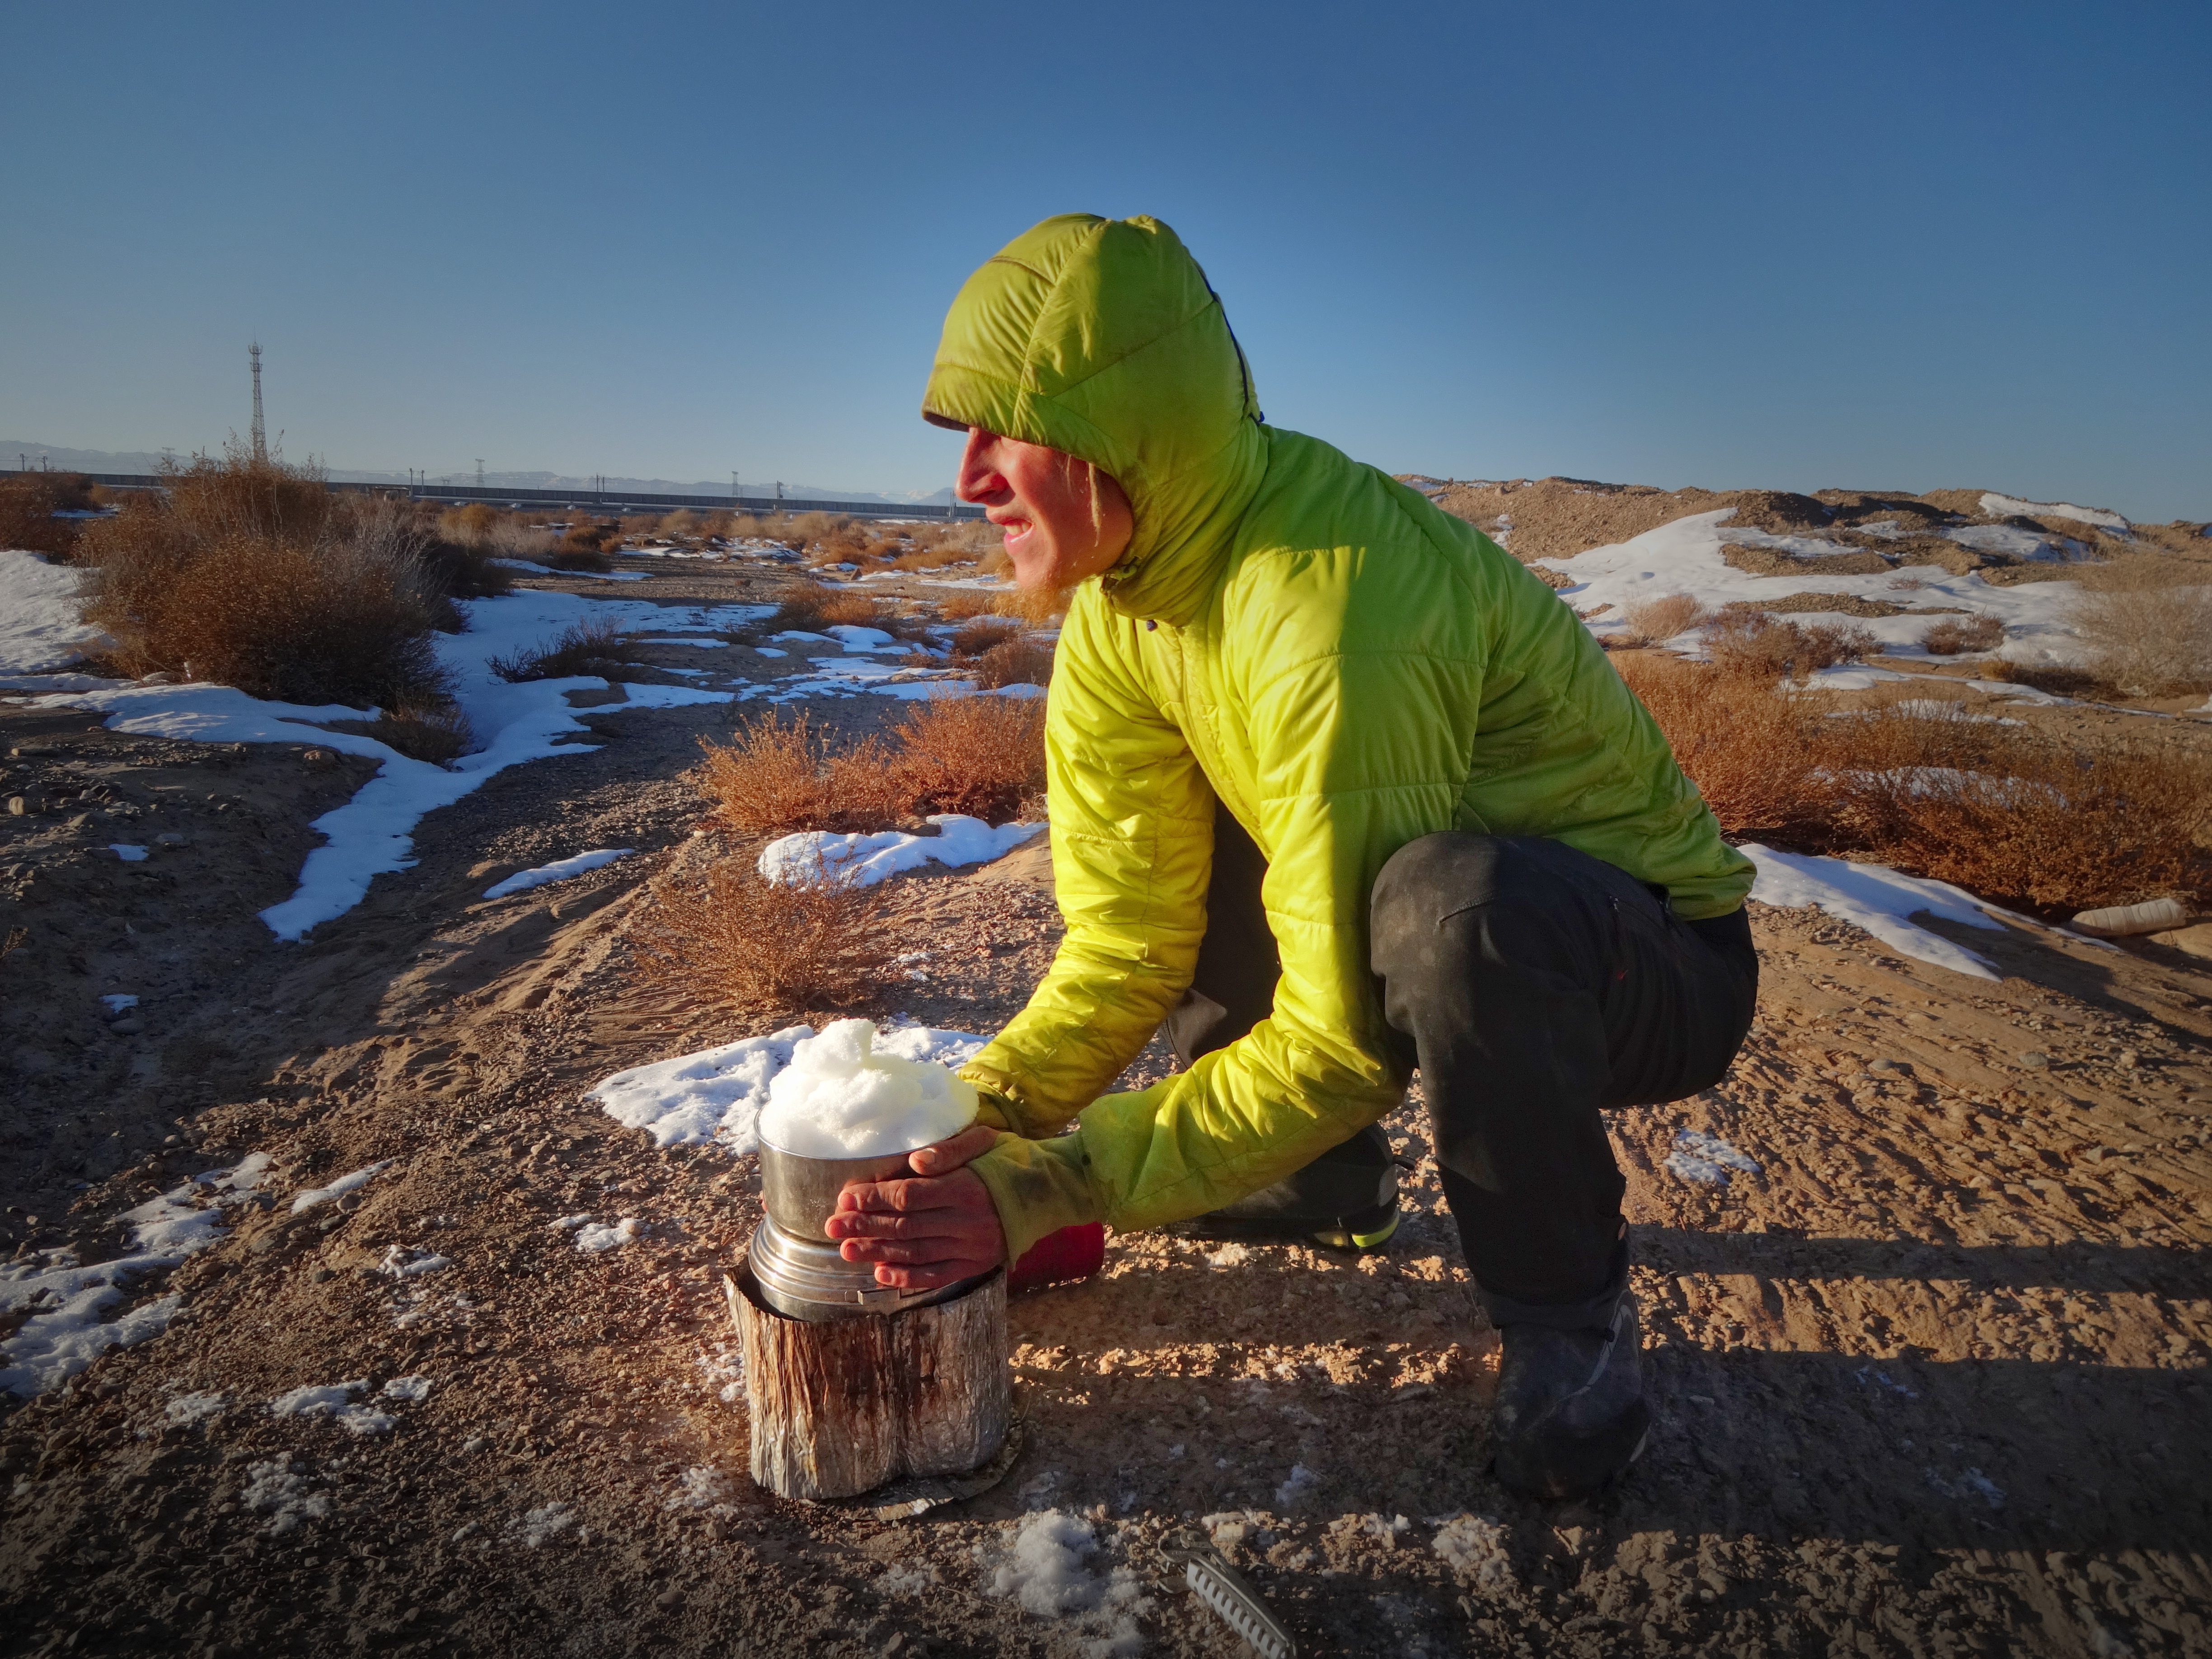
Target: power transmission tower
260, 432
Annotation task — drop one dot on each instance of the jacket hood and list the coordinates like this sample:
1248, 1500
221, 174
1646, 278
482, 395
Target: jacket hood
1100, 337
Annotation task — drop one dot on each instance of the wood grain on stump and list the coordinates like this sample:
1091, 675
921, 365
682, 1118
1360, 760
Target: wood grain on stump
842, 1407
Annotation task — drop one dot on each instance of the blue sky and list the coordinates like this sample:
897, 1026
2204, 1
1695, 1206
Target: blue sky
1897, 245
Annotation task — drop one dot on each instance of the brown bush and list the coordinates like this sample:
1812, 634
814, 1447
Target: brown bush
1953, 635
740, 939
1014, 662
2017, 816
965, 603
280, 622
773, 778
251, 572
810, 610
433, 732
465, 572
978, 635
1745, 641
1035, 607
591, 535
2146, 638
981, 755
1651, 621
596, 647
472, 525
27, 506
1749, 751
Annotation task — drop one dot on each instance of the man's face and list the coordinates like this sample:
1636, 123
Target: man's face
1042, 498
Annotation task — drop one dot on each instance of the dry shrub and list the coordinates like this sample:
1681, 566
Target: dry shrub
1749, 751
471, 526
978, 635
280, 622
978, 755
1015, 662
967, 603
591, 535
434, 731
250, 571
1035, 607
1744, 640
773, 778
679, 526
518, 538
1956, 634
27, 506
810, 610
2015, 817
2145, 639
465, 572
981, 755
741, 939
1651, 621
596, 647
2018, 817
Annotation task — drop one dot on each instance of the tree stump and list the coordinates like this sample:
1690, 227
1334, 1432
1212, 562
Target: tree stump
841, 1406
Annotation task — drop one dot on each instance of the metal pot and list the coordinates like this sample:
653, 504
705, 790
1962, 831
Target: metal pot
801, 1193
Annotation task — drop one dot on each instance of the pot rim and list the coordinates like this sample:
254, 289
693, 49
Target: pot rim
767, 1146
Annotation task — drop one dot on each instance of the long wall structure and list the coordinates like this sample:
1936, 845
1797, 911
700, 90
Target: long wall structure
607, 501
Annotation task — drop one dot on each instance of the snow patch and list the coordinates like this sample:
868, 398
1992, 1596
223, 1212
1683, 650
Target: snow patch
535, 1527
116, 1003
1685, 556
372, 835
2008, 507
41, 616
1043, 1567
68, 1306
1706, 1158
1877, 898
595, 1238
1474, 1548
127, 853
339, 1188
273, 1489
866, 860
196, 1408
522, 880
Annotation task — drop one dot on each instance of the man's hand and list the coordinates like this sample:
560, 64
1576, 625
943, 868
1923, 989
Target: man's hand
926, 1232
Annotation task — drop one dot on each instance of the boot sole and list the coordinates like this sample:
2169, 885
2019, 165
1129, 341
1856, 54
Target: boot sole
1355, 1236
1555, 1466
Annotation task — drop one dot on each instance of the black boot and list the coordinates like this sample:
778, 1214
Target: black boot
1570, 1414
1345, 1200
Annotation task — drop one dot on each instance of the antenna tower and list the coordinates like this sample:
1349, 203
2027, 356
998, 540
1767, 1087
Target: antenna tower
260, 432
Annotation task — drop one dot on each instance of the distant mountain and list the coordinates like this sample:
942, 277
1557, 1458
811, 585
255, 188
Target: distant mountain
63, 459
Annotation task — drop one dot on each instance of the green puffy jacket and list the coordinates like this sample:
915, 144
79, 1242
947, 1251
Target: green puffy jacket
1346, 667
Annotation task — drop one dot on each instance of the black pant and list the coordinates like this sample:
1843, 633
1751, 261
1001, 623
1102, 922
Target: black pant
1533, 986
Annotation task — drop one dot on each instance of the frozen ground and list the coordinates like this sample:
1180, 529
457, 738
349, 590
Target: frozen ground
1922, 1278
1685, 556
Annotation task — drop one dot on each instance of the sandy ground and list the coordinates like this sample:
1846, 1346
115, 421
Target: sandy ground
1931, 1380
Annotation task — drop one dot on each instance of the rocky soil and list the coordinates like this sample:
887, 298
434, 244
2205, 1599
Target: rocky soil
1929, 1379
